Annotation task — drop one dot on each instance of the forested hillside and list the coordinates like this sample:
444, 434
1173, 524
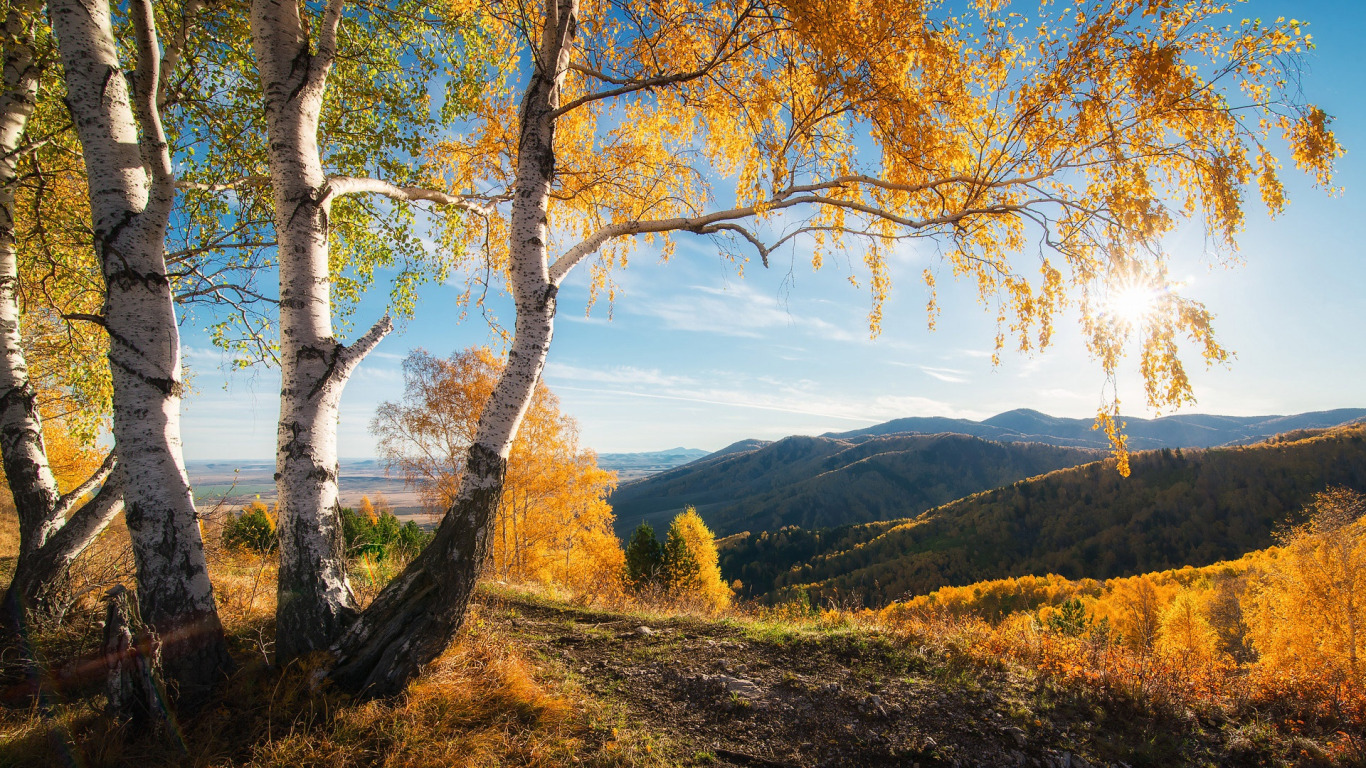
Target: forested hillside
1177, 508
817, 482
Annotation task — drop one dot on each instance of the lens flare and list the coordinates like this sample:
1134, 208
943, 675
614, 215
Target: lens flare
1133, 303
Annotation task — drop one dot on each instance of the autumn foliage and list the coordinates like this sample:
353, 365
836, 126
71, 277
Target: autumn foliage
1279, 629
553, 525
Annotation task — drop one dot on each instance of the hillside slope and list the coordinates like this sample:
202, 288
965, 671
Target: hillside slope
1178, 508
816, 482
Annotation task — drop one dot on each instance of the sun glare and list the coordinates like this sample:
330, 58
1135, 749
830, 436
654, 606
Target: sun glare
1133, 303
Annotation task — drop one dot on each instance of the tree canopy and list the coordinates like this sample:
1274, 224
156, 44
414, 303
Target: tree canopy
1045, 150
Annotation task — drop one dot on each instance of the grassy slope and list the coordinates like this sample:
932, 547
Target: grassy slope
533, 682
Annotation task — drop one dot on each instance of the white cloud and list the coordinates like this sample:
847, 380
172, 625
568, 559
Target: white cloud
737, 310
620, 375
372, 373
1062, 394
898, 406
951, 375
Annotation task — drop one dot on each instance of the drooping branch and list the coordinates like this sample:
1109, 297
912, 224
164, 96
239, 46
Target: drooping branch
710, 222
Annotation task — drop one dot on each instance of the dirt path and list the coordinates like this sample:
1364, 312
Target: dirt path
742, 696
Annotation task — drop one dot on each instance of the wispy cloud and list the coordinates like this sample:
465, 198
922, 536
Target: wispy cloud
737, 310
735, 401
619, 375
763, 393
951, 375
1062, 394
374, 373
896, 406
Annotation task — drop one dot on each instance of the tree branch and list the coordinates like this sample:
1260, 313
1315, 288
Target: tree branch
350, 356
625, 86
327, 37
156, 152
67, 501
96, 319
175, 47
754, 240
783, 200
341, 186
80, 529
238, 183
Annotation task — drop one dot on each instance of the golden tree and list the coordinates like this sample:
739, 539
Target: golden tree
1045, 151
553, 524
1185, 633
691, 564
1306, 612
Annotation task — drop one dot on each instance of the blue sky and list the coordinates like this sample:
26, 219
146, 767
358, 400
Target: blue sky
696, 356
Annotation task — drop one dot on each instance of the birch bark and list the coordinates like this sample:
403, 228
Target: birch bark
132, 189
315, 603
46, 547
21, 431
413, 619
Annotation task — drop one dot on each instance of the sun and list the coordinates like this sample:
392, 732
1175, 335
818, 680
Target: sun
1133, 303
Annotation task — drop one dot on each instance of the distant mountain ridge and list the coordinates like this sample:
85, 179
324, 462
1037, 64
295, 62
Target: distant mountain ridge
633, 466
850, 477
822, 481
1194, 430
1178, 508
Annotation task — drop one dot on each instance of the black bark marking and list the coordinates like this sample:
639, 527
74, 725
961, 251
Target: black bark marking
168, 387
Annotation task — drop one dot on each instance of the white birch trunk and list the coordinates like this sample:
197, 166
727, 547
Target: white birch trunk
21, 431
315, 603
132, 189
413, 620
43, 554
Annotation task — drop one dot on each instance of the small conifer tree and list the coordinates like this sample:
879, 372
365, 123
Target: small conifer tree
644, 558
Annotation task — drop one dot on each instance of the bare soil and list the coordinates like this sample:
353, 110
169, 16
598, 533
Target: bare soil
741, 694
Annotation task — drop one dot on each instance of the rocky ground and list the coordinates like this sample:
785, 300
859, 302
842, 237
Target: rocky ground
749, 694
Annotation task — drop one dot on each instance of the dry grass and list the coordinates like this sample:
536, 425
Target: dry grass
483, 704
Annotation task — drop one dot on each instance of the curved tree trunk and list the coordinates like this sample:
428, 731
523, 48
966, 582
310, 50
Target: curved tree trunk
46, 548
21, 431
315, 603
413, 619
132, 190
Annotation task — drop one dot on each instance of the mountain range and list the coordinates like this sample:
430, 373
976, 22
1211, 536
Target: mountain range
1177, 508
903, 467
1180, 431
816, 482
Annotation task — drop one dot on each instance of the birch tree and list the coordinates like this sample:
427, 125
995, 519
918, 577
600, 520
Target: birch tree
1045, 152
49, 539
295, 64
132, 188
